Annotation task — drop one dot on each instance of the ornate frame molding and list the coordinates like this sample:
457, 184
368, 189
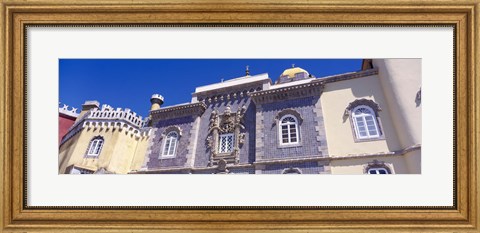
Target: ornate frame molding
288, 111
375, 107
461, 216
292, 170
169, 129
367, 102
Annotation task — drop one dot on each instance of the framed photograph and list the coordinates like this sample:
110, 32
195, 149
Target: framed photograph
176, 116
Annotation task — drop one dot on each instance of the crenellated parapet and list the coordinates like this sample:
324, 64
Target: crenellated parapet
108, 118
69, 111
107, 113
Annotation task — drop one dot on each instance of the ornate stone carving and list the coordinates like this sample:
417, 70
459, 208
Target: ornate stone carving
226, 123
292, 170
170, 129
370, 103
377, 164
418, 97
288, 111
222, 167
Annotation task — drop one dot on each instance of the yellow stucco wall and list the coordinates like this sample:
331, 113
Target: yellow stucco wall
413, 161
117, 154
401, 79
340, 137
140, 152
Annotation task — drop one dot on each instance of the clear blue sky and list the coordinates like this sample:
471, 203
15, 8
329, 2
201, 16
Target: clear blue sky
129, 83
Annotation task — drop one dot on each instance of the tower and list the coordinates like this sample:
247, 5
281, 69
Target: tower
157, 101
401, 82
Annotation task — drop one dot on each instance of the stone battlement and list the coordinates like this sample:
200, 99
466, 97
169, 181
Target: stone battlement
65, 109
110, 114
124, 120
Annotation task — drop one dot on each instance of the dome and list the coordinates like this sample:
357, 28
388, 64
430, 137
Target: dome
292, 71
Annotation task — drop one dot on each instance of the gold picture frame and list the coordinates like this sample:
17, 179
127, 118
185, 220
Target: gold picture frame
464, 15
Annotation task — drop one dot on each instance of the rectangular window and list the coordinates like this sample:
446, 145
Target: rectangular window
225, 143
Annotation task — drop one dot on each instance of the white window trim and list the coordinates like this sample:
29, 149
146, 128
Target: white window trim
375, 122
378, 169
280, 135
220, 141
93, 145
167, 138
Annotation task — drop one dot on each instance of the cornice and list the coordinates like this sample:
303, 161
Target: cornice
178, 111
287, 93
347, 76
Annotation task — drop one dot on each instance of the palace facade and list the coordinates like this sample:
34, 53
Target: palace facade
365, 122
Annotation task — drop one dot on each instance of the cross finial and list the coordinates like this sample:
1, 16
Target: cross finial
247, 72
293, 65
222, 80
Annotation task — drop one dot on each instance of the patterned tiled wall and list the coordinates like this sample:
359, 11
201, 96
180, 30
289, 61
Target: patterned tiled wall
309, 142
185, 124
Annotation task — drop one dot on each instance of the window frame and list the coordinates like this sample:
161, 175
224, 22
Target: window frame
378, 169
225, 135
280, 133
94, 145
168, 138
377, 165
355, 124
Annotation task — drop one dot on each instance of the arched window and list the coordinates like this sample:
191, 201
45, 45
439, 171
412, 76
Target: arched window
377, 167
377, 170
95, 147
170, 144
288, 130
365, 122
291, 170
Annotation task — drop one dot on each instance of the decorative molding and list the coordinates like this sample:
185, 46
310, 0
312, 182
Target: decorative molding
320, 128
227, 122
259, 132
377, 164
418, 97
322, 160
220, 95
170, 129
192, 145
289, 160
292, 170
288, 111
332, 158
213, 170
371, 155
194, 109
288, 93
86, 155
367, 102
347, 76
